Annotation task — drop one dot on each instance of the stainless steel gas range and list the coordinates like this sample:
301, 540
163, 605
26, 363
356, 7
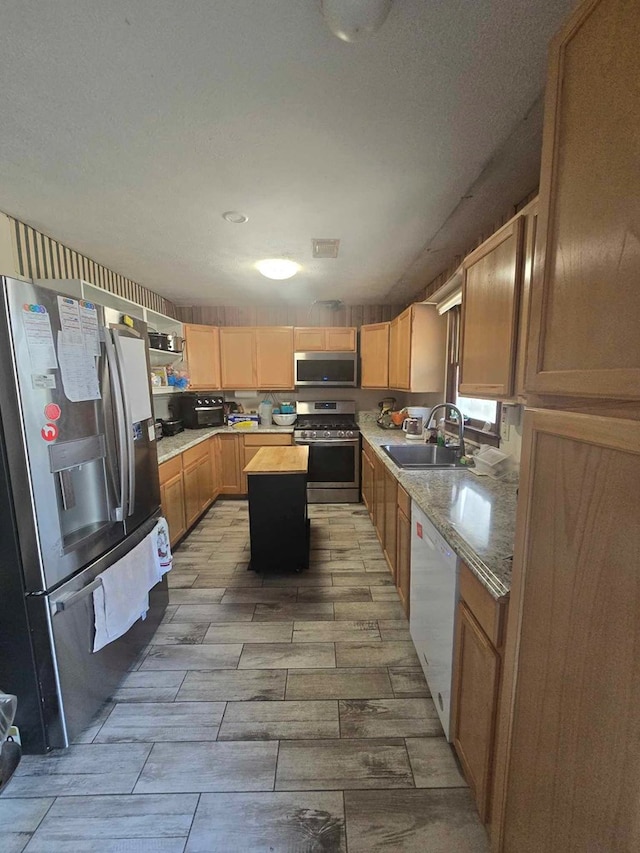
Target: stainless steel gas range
330, 430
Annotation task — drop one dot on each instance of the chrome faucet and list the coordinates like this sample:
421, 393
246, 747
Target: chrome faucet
446, 406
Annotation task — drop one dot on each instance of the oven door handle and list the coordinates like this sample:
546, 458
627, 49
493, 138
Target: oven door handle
337, 443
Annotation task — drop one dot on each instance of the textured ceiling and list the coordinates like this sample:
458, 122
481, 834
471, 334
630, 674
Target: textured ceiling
130, 127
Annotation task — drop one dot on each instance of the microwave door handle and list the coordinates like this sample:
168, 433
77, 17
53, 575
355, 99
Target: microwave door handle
120, 425
207, 408
131, 468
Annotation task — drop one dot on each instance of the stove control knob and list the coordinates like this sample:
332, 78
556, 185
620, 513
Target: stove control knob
350, 433
198, 402
341, 433
327, 434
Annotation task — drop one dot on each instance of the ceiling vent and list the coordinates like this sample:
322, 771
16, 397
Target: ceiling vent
325, 248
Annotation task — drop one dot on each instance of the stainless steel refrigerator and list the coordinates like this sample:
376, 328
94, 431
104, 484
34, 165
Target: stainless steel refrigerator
78, 490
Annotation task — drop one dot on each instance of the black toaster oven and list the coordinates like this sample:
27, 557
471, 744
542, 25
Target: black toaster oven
198, 409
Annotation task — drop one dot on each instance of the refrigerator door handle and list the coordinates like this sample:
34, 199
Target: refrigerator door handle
121, 426
131, 468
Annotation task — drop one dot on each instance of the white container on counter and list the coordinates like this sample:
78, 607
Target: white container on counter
265, 410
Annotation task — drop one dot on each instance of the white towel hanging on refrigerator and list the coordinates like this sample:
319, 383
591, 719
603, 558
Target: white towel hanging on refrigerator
123, 594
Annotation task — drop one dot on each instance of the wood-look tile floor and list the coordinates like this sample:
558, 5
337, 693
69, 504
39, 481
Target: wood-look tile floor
284, 714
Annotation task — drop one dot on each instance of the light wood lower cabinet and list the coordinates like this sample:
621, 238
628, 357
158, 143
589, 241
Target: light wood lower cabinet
367, 478
378, 498
252, 444
230, 470
172, 498
198, 485
477, 673
390, 520
403, 548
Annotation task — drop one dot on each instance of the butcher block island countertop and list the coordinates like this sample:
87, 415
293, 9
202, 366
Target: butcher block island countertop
279, 460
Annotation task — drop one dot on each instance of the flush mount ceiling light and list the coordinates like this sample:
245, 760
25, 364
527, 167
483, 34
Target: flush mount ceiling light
234, 217
278, 268
355, 20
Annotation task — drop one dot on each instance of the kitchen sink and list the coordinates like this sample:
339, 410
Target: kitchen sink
422, 456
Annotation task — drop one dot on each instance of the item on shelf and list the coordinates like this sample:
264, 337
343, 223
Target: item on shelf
243, 422
159, 377
287, 408
397, 418
177, 378
166, 342
265, 410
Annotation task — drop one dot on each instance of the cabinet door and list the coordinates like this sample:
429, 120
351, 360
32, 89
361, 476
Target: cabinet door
339, 339
230, 464
572, 669
205, 482
524, 313
475, 705
214, 461
238, 357
403, 559
274, 357
403, 351
308, 339
173, 509
374, 355
203, 356
586, 298
367, 483
191, 494
378, 498
393, 353
490, 294
390, 519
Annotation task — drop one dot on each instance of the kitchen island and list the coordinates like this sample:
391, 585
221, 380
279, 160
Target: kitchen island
278, 523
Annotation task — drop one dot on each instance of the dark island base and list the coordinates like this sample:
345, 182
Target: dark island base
278, 523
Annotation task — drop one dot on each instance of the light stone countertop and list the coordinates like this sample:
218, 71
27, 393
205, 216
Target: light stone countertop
171, 445
476, 515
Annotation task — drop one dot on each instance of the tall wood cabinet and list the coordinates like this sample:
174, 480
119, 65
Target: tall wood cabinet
374, 355
567, 769
202, 356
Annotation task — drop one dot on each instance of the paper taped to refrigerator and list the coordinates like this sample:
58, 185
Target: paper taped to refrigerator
78, 371
70, 320
89, 327
137, 378
37, 329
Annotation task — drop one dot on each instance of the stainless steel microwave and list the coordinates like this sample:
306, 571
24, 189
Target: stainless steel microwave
326, 369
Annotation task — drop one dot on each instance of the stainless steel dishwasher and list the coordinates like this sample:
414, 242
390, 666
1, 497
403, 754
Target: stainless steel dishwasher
433, 601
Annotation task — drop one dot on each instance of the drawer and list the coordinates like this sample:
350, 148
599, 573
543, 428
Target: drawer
168, 470
404, 501
269, 440
194, 453
490, 614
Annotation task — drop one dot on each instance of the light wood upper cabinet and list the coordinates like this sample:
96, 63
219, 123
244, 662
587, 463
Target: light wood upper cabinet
202, 356
374, 355
586, 298
238, 357
259, 357
530, 217
490, 303
417, 350
325, 338
274, 357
